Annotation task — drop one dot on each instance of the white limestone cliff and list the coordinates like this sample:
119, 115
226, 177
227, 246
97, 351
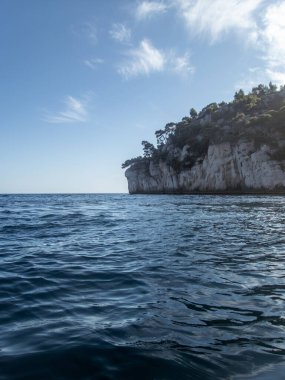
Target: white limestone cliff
226, 168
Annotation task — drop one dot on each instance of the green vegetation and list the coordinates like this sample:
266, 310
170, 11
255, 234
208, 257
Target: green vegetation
258, 116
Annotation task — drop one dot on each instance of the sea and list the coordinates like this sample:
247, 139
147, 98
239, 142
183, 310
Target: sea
118, 286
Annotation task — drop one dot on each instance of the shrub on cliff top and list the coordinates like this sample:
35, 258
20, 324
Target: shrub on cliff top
262, 109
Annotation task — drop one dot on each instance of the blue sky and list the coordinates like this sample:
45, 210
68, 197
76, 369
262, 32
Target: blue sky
83, 82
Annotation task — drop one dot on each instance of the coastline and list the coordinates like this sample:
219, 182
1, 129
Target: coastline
230, 193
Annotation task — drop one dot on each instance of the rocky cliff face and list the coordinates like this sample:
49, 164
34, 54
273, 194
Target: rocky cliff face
226, 168
235, 147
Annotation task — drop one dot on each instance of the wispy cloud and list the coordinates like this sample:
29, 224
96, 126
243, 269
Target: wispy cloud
147, 59
272, 41
215, 18
259, 24
74, 111
180, 64
121, 33
93, 63
269, 46
147, 9
143, 60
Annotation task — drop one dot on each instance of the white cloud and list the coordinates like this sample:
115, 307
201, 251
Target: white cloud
181, 64
259, 24
147, 59
213, 18
93, 63
272, 42
270, 47
74, 111
121, 33
146, 9
143, 60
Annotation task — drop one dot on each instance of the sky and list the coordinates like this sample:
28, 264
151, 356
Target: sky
83, 82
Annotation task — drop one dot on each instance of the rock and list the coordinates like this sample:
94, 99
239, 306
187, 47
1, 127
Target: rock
226, 168
237, 147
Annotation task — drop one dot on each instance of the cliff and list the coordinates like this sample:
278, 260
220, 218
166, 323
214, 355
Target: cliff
237, 147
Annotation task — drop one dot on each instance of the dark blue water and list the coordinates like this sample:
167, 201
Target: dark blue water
141, 287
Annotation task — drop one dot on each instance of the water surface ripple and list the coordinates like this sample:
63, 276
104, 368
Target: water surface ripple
141, 287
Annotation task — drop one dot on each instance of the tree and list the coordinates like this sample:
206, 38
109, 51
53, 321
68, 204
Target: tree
160, 136
132, 161
239, 95
251, 102
272, 87
148, 149
193, 113
212, 107
261, 89
163, 134
169, 128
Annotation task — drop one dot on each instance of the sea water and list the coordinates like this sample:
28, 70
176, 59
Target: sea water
98, 286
